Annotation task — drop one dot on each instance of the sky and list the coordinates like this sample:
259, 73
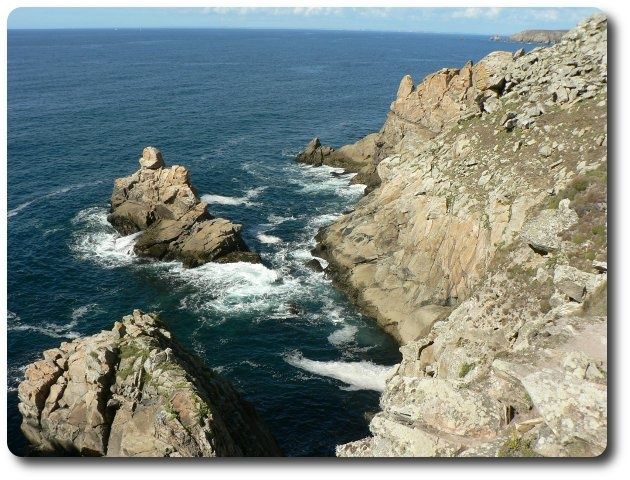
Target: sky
472, 20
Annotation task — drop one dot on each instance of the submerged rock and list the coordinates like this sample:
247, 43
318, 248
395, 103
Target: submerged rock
162, 203
135, 392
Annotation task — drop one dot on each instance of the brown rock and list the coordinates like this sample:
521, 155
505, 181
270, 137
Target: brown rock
162, 203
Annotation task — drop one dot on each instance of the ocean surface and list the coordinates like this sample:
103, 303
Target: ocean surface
234, 107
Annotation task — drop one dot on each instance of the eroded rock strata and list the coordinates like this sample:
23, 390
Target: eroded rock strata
161, 202
135, 392
483, 250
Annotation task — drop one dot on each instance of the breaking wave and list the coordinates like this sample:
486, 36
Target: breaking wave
244, 200
270, 239
357, 375
98, 241
343, 335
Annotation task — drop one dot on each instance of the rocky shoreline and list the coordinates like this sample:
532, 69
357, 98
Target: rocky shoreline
135, 392
483, 249
481, 246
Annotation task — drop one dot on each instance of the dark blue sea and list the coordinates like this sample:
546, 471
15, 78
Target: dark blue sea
234, 106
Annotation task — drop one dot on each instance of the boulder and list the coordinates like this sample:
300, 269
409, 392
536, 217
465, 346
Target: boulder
134, 391
406, 87
162, 203
574, 409
575, 283
542, 232
151, 158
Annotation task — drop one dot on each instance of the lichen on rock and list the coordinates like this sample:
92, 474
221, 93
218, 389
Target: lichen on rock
483, 251
133, 391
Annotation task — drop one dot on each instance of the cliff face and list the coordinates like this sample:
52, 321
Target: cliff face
538, 36
522, 130
483, 251
135, 392
161, 203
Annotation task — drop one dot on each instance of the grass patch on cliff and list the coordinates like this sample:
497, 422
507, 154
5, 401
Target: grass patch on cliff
588, 195
465, 369
516, 447
129, 353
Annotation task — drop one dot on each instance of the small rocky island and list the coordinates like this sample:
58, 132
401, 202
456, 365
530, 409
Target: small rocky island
134, 391
161, 203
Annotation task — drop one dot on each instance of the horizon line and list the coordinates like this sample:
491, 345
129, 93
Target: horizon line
359, 30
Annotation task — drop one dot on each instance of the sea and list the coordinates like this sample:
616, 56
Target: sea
234, 107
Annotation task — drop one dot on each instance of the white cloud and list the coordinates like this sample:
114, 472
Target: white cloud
473, 12
546, 14
310, 11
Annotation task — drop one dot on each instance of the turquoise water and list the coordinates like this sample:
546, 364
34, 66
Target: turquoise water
234, 106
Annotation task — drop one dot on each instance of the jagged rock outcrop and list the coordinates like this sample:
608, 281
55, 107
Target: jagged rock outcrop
417, 246
162, 203
355, 158
479, 252
135, 392
538, 36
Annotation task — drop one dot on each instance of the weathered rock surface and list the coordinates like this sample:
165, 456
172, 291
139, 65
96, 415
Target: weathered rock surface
427, 235
487, 259
135, 392
356, 158
162, 203
542, 233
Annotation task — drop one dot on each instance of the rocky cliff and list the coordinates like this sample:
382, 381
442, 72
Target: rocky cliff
135, 392
538, 36
483, 250
162, 204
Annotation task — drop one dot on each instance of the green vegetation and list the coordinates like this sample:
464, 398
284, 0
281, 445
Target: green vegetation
516, 447
465, 369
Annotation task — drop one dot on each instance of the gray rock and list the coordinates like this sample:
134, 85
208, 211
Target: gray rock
575, 283
545, 150
575, 410
542, 232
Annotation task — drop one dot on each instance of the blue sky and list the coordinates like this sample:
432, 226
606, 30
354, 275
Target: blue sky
447, 20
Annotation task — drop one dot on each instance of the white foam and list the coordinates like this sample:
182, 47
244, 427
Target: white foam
53, 193
14, 324
80, 312
97, 240
358, 375
229, 288
324, 220
343, 335
276, 220
244, 200
270, 239
19, 208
